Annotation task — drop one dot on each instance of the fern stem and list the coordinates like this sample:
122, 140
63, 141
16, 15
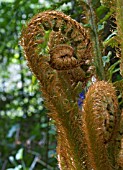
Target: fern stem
97, 51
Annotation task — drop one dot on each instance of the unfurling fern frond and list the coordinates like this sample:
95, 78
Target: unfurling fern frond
58, 49
59, 52
68, 46
100, 120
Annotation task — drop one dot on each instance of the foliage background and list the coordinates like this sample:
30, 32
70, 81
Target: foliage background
27, 135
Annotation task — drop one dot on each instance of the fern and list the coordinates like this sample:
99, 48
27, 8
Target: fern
99, 125
65, 56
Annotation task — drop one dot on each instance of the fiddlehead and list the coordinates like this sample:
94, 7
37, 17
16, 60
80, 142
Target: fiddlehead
100, 120
69, 45
57, 49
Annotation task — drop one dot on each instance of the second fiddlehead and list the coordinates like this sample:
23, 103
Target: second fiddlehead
100, 125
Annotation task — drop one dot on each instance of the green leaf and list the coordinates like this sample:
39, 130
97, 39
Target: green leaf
112, 69
111, 40
34, 79
111, 35
101, 11
19, 154
106, 59
19, 167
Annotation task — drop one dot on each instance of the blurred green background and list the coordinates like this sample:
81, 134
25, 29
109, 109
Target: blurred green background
27, 135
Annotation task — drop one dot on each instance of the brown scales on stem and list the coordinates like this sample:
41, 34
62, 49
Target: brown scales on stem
59, 69
100, 124
58, 49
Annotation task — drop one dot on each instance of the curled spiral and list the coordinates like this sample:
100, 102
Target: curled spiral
100, 123
58, 49
62, 41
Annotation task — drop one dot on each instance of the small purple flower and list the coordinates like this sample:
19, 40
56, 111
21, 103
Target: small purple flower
81, 98
82, 95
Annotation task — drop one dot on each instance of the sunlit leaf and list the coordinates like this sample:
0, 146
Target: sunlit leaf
12, 160
19, 154
19, 167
